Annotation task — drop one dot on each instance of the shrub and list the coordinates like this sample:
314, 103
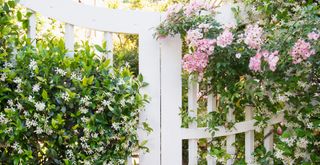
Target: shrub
60, 110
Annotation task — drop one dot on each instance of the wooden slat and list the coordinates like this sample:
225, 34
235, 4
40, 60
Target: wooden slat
231, 139
240, 127
32, 30
95, 18
69, 39
268, 141
149, 67
129, 160
109, 40
171, 100
193, 106
211, 106
249, 138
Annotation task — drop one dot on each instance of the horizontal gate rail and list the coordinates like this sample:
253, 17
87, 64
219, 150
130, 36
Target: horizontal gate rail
240, 127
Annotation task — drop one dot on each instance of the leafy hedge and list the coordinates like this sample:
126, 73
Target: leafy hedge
60, 110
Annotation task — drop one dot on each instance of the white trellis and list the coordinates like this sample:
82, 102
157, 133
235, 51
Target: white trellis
160, 64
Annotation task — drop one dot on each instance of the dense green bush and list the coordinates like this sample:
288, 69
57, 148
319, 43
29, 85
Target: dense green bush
60, 110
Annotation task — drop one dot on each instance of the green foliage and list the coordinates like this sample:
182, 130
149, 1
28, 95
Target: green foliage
60, 110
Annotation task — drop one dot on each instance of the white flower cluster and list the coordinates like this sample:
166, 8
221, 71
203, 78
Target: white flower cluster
75, 76
60, 72
65, 96
36, 88
40, 106
33, 65
85, 101
3, 119
16, 146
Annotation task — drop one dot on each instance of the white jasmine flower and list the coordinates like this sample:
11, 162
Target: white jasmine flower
3, 76
278, 154
100, 109
85, 100
33, 65
31, 98
65, 96
40, 106
69, 154
238, 55
83, 110
36, 88
19, 106
302, 143
116, 126
94, 135
122, 103
39, 130
310, 125
3, 119
84, 119
17, 80
8, 65
15, 146
60, 72
105, 103
8, 130
75, 76
10, 102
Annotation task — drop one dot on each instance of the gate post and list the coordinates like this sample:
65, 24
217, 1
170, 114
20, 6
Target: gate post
149, 67
171, 99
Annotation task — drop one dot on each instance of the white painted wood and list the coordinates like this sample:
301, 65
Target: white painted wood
171, 101
193, 88
231, 139
240, 127
109, 40
249, 138
129, 161
211, 106
95, 18
69, 39
149, 67
32, 29
268, 141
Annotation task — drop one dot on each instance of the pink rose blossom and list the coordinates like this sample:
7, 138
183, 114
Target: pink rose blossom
272, 60
206, 46
313, 36
196, 62
195, 7
301, 51
255, 63
253, 36
193, 36
205, 27
174, 9
225, 39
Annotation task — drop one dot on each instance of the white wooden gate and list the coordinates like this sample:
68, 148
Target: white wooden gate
160, 64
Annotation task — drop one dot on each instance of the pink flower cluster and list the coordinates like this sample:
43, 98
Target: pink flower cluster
301, 51
271, 58
193, 36
195, 7
206, 46
225, 38
174, 9
253, 36
196, 62
314, 36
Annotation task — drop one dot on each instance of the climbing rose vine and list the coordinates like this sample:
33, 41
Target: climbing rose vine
266, 60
